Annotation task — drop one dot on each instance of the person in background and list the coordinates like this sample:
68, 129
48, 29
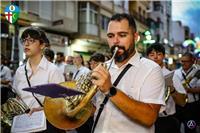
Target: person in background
70, 68
37, 70
166, 122
49, 54
60, 62
80, 68
6, 79
95, 59
186, 80
134, 103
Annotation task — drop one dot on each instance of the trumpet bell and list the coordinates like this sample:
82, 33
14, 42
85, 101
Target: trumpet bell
54, 109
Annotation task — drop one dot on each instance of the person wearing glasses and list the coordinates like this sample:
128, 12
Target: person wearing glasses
37, 70
186, 80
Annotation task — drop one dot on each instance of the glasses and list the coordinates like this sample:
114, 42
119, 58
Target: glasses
29, 40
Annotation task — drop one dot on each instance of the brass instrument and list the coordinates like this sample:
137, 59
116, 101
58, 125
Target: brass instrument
9, 109
181, 99
167, 93
71, 112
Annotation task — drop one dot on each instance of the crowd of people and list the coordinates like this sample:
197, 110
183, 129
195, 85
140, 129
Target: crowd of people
138, 99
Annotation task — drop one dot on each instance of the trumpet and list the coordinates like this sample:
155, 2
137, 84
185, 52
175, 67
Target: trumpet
71, 112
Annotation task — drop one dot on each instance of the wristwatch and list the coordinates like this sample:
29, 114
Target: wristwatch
112, 92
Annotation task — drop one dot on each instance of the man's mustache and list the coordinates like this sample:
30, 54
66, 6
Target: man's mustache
120, 47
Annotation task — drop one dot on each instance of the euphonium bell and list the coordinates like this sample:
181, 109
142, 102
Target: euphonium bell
71, 112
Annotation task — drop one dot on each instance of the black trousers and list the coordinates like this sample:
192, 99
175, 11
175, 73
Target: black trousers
86, 127
4, 94
189, 115
168, 124
52, 129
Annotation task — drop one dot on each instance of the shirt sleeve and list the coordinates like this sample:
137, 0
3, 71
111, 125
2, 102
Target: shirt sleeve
56, 76
177, 83
8, 74
153, 88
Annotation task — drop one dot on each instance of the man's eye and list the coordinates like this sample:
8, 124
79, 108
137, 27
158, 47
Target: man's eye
123, 35
31, 41
109, 36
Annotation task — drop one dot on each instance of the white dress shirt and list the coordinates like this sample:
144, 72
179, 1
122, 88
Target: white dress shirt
169, 108
143, 82
46, 72
178, 80
5, 74
61, 67
80, 71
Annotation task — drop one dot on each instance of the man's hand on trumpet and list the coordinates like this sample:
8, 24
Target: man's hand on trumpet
101, 78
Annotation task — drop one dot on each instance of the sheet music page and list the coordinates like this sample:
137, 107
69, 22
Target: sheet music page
168, 79
25, 123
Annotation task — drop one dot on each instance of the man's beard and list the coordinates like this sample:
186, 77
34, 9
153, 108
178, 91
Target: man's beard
125, 55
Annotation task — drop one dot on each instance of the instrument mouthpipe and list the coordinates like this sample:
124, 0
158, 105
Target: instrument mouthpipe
112, 59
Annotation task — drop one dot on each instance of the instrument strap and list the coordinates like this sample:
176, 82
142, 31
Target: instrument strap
185, 78
106, 97
29, 84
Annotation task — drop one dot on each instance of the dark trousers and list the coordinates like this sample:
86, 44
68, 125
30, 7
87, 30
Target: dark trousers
168, 124
86, 127
4, 94
52, 129
189, 115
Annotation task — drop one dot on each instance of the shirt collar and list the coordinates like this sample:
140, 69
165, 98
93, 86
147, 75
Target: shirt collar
43, 64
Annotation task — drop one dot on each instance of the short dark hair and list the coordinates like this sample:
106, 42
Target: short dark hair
189, 54
157, 47
60, 53
35, 33
49, 53
130, 18
98, 57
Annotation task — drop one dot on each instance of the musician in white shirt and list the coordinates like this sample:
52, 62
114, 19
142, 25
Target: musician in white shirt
38, 69
80, 68
134, 103
166, 122
187, 81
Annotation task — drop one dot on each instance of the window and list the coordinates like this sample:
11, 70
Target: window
91, 17
156, 5
118, 3
104, 22
93, 14
82, 12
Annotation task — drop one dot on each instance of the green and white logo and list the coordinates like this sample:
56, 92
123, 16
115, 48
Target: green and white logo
12, 13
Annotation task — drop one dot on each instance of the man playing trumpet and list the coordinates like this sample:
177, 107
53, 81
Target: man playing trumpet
186, 80
134, 103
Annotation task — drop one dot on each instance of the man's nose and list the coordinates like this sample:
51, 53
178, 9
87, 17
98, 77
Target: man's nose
116, 40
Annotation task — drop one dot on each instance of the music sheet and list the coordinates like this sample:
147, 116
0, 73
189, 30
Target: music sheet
26, 124
168, 79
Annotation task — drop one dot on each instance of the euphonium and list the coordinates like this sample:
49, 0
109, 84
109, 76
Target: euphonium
71, 112
9, 109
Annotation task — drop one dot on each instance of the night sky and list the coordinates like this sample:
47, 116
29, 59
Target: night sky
188, 11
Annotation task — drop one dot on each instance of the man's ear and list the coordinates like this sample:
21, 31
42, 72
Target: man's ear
136, 37
42, 46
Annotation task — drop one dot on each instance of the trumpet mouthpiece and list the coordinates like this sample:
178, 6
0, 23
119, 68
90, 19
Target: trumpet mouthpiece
116, 49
